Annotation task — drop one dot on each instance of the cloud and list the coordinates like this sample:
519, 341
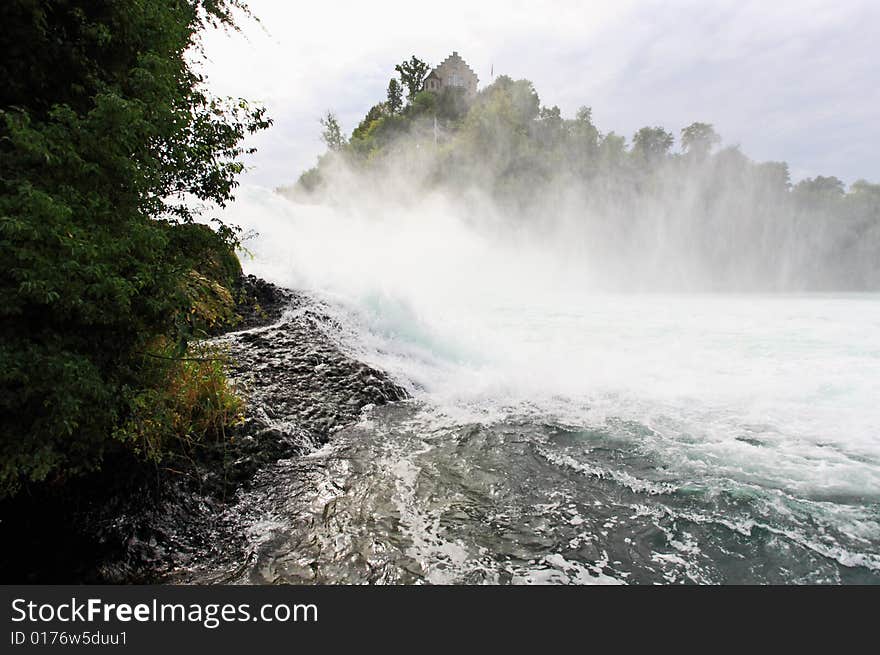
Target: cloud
794, 81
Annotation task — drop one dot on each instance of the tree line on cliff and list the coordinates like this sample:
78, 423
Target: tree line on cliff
738, 223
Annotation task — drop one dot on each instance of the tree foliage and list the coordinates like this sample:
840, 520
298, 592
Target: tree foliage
652, 144
107, 134
395, 96
331, 133
698, 139
412, 74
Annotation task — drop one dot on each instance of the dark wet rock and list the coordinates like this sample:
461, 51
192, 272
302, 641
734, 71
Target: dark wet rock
260, 302
132, 523
291, 371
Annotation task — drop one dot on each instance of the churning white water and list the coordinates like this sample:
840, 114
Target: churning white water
773, 397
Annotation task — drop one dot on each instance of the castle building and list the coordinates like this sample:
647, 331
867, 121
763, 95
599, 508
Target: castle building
452, 72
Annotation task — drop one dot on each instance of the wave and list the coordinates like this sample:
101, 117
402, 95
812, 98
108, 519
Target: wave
485, 325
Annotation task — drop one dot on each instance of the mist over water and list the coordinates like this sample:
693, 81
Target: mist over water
735, 410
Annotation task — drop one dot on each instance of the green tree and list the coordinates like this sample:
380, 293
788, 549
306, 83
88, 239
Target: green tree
582, 142
331, 133
106, 129
376, 113
775, 175
863, 188
583, 130
395, 96
652, 143
424, 103
412, 74
452, 103
820, 187
612, 149
698, 139
550, 128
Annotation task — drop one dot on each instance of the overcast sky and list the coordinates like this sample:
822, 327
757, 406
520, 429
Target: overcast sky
797, 81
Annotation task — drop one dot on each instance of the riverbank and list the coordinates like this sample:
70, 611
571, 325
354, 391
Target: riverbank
138, 523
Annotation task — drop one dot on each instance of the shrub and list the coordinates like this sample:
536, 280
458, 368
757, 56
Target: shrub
189, 401
107, 134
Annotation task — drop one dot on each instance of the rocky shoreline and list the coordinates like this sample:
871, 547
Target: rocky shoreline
299, 387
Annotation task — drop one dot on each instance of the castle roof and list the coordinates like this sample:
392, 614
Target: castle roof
455, 60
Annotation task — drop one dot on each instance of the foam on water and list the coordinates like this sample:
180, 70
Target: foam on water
562, 433
775, 391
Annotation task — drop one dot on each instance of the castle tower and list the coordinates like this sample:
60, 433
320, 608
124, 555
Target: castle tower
453, 72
